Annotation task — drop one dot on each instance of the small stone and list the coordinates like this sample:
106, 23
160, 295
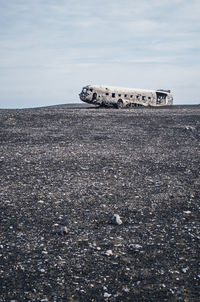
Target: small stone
135, 246
116, 219
109, 253
190, 128
44, 252
40, 201
187, 212
91, 285
64, 230
126, 289
107, 295
184, 270
42, 270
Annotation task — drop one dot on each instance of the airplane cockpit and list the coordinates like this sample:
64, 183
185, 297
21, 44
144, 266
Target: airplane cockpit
87, 95
84, 93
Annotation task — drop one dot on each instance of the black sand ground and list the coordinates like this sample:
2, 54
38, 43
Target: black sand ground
76, 167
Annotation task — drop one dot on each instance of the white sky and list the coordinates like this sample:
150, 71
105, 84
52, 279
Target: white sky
50, 49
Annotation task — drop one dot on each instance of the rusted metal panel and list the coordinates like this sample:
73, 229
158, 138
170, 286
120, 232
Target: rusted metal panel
120, 97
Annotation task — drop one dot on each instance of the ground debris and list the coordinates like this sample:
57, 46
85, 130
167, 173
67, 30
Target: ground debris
65, 171
64, 230
116, 219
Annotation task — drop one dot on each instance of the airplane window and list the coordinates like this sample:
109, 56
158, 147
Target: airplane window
119, 94
94, 97
107, 93
113, 95
91, 89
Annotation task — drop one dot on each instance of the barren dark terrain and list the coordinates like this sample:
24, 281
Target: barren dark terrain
66, 170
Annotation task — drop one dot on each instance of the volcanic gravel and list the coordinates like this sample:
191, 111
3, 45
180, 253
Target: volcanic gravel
66, 170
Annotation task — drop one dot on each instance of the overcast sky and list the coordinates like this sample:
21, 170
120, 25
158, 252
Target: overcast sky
50, 49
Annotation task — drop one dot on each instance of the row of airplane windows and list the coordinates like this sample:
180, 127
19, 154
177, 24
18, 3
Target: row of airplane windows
131, 96
125, 95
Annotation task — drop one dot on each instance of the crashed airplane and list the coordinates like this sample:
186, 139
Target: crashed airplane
118, 97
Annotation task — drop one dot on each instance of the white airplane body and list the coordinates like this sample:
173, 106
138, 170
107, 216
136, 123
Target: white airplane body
119, 97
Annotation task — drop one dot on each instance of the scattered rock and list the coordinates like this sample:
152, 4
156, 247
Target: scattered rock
135, 246
187, 212
44, 252
126, 289
40, 201
184, 270
190, 128
64, 230
109, 253
107, 295
42, 270
116, 219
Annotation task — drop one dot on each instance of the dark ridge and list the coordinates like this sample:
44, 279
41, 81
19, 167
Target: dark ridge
91, 106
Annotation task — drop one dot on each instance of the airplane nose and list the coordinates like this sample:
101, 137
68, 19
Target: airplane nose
82, 96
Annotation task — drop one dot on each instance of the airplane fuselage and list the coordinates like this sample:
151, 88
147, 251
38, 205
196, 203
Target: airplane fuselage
120, 97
